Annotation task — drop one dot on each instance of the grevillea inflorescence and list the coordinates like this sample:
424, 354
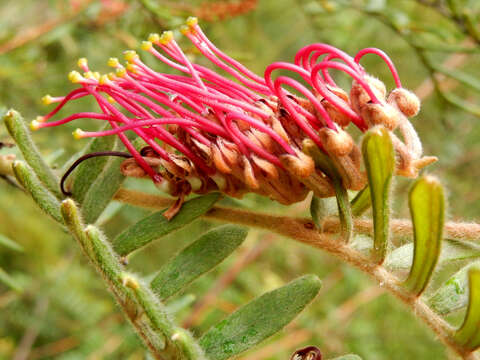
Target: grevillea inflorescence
241, 132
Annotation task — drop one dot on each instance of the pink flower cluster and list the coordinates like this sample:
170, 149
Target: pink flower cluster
242, 132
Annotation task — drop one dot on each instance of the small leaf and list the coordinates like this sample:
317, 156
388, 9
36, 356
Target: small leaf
469, 333
361, 202
197, 258
259, 319
401, 259
379, 160
156, 225
427, 209
44, 198
324, 163
453, 294
19, 132
9, 281
10, 244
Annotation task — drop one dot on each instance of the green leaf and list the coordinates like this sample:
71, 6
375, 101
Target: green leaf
44, 198
361, 202
259, 319
401, 259
19, 132
9, 281
427, 209
453, 294
469, 333
379, 158
182, 303
10, 244
156, 225
319, 210
323, 162
197, 258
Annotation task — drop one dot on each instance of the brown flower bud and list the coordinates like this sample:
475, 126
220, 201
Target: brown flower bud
300, 165
407, 102
380, 114
336, 115
337, 143
359, 97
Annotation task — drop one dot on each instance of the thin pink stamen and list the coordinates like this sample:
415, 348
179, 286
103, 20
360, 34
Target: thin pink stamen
385, 58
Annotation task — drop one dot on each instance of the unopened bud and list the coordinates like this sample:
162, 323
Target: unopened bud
380, 114
359, 96
335, 114
407, 102
338, 143
301, 165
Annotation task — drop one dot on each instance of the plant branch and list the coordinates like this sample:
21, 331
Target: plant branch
303, 230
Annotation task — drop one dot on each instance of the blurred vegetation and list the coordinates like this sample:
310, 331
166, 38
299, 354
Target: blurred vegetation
62, 310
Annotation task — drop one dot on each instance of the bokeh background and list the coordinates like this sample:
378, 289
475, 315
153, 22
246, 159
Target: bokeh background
61, 309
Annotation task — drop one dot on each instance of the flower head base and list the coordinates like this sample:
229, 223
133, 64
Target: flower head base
243, 133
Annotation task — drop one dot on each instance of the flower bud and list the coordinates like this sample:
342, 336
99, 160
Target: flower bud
380, 114
359, 97
337, 143
407, 102
336, 115
301, 165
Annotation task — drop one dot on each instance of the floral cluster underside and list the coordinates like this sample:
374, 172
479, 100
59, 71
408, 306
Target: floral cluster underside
237, 132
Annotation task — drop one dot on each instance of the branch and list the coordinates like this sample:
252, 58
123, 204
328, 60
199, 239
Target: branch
303, 230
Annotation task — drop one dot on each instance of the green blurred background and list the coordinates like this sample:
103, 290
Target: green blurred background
64, 312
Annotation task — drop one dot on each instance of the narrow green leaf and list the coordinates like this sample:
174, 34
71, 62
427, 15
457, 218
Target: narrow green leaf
453, 294
259, 319
10, 244
197, 258
460, 76
468, 335
348, 357
9, 281
19, 132
319, 209
323, 162
182, 303
156, 225
379, 158
401, 259
87, 172
44, 198
427, 209
361, 202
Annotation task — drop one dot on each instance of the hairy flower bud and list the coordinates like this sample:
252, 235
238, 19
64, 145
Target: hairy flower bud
406, 101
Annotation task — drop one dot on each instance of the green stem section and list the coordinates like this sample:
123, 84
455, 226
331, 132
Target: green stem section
18, 130
148, 316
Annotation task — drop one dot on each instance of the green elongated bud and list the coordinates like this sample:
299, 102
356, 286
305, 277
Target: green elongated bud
197, 258
259, 319
20, 133
427, 209
323, 162
379, 158
468, 335
361, 202
156, 225
44, 198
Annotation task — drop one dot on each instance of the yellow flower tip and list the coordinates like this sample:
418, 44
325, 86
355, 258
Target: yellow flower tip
40, 119
132, 68
166, 37
184, 29
113, 62
111, 100
103, 79
82, 63
121, 72
111, 76
154, 38
130, 55
89, 75
191, 21
35, 125
78, 134
146, 45
75, 77
47, 100
96, 75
